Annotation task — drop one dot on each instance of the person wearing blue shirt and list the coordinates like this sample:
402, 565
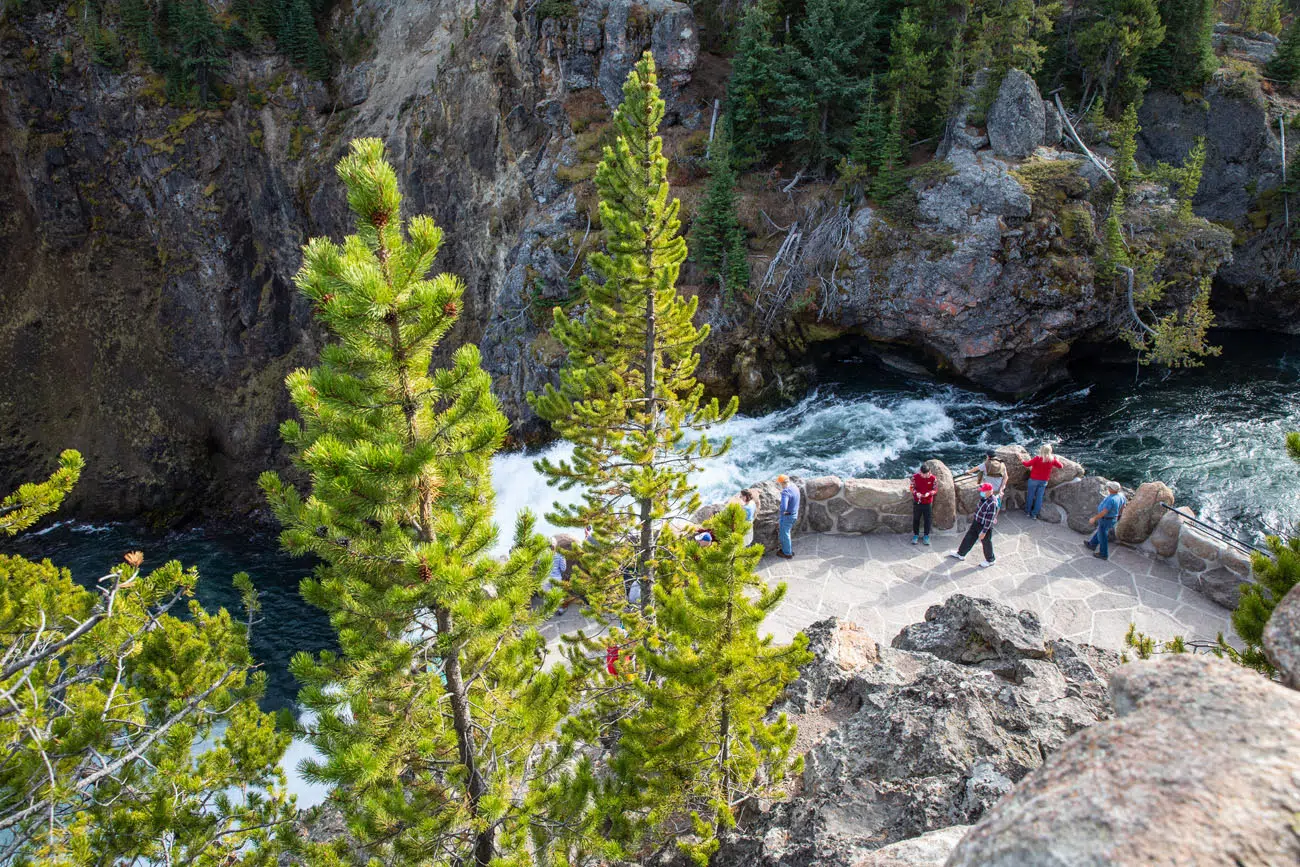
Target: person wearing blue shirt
788, 514
1107, 514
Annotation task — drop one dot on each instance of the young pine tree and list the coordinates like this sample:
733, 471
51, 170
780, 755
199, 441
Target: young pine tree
717, 241
1112, 46
768, 107
628, 399
202, 54
699, 744
1185, 59
871, 131
1126, 168
1285, 65
130, 735
437, 717
890, 179
911, 72
1274, 578
837, 46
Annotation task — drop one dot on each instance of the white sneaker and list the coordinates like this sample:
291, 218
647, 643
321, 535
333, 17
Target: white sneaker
986, 564
954, 555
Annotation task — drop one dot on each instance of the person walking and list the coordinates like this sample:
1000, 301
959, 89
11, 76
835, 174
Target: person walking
751, 511
923, 486
1107, 514
788, 515
1040, 472
981, 527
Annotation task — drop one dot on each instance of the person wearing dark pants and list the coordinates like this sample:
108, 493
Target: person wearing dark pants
981, 527
923, 485
1107, 515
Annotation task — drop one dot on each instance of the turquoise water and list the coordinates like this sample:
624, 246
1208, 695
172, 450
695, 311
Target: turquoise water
1214, 434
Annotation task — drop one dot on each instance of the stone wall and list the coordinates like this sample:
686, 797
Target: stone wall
834, 505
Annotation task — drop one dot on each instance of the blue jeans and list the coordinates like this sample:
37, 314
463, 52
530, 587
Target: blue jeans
783, 529
1101, 538
1034, 497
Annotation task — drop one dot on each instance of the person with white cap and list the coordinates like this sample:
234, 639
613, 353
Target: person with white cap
1107, 514
787, 514
981, 527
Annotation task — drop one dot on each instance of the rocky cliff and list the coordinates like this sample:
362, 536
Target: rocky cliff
148, 315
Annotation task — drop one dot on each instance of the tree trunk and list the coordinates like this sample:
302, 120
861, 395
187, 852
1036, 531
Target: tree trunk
485, 841
651, 398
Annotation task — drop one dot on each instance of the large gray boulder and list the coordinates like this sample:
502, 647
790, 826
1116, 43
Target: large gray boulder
1016, 120
1200, 766
1143, 513
1080, 500
929, 850
1282, 638
944, 511
914, 743
1164, 538
979, 184
971, 630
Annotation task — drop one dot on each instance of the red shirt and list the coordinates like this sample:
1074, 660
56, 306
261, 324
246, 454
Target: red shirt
924, 488
1041, 470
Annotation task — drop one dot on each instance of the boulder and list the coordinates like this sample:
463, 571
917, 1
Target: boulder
816, 518
914, 744
859, 521
979, 183
1143, 512
1016, 120
1164, 539
1014, 458
1067, 472
822, 487
1282, 638
1053, 129
1221, 586
1197, 551
1198, 767
967, 493
970, 630
881, 495
929, 850
1080, 499
945, 497
767, 495
1235, 561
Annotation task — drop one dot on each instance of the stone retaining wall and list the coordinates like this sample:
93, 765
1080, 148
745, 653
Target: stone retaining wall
834, 505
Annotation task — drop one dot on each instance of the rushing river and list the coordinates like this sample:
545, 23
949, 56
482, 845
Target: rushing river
1215, 434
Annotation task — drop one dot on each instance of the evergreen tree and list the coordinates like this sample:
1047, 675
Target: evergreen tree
1185, 59
1187, 179
1114, 251
136, 18
1285, 65
837, 47
628, 399
870, 132
1112, 45
699, 743
1126, 167
1274, 577
766, 105
890, 178
718, 243
437, 724
130, 735
910, 69
202, 54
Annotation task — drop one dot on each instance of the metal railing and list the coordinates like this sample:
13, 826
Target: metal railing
1240, 544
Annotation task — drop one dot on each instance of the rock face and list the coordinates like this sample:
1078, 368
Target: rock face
944, 511
1016, 118
1198, 767
970, 631
1164, 538
1143, 512
1282, 638
613, 34
920, 743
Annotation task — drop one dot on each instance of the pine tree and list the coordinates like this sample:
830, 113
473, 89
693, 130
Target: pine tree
870, 132
628, 399
765, 103
837, 47
1112, 46
202, 55
1285, 65
130, 735
1188, 178
910, 69
437, 718
1185, 59
1126, 147
1114, 251
890, 178
136, 18
699, 742
717, 242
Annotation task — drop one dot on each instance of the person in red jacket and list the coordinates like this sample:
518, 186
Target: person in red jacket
1040, 472
924, 485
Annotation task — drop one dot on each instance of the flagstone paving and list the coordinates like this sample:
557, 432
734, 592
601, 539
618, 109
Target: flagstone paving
883, 583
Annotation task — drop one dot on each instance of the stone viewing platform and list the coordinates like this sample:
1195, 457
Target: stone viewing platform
854, 558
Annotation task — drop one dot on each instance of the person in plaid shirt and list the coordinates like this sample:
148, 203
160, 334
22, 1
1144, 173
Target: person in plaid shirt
981, 527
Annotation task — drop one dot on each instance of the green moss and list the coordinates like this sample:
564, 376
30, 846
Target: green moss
1077, 224
575, 174
255, 138
182, 123
1051, 183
